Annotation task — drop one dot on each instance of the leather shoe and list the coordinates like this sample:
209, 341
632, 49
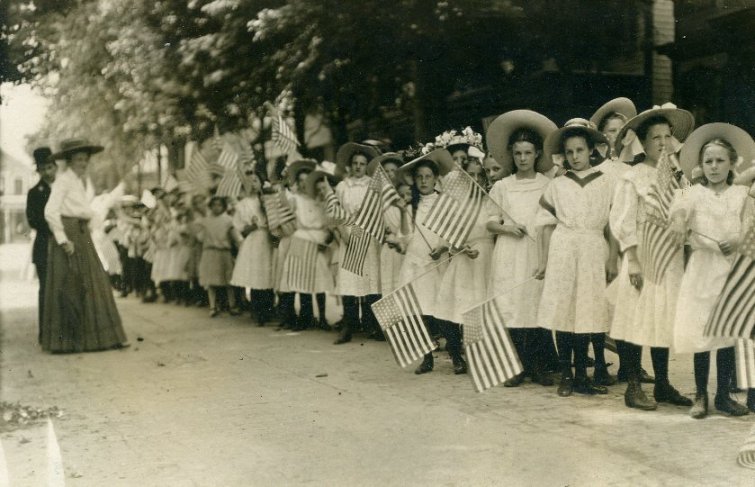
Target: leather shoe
583, 385
699, 409
667, 393
515, 381
635, 398
601, 377
729, 406
542, 378
646, 378
426, 365
342, 338
751, 400
460, 366
566, 387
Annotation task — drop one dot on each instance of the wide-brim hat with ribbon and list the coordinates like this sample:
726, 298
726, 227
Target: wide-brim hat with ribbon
382, 159
293, 169
71, 146
689, 156
575, 127
500, 130
325, 169
682, 122
441, 158
347, 151
621, 105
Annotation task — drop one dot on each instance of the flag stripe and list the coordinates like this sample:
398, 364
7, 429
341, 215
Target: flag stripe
400, 317
745, 363
734, 312
456, 210
356, 253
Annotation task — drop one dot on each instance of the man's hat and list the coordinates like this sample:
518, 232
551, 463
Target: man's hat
42, 156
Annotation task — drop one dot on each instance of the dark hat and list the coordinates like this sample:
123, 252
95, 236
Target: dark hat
42, 156
71, 146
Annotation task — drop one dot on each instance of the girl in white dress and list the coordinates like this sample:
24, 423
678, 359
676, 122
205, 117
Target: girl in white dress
714, 212
644, 313
253, 269
512, 220
574, 215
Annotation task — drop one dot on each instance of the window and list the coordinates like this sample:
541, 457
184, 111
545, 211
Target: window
18, 186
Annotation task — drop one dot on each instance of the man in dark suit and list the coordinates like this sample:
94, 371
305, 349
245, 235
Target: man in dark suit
35, 213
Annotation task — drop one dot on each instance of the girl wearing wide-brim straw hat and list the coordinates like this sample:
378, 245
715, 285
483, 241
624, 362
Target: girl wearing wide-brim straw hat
79, 313
357, 292
572, 218
645, 310
424, 248
518, 138
711, 218
609, 120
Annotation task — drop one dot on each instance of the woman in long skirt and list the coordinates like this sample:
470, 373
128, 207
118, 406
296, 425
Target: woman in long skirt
709, 217
79, 313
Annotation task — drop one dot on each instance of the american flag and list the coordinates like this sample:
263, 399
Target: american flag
283, 136
356, 251
335, 211
490, 352
379, 197
301, 265
744, 353
656, 245
400, 318
278, 211
456, 210
734, 312
230, 184
198, 172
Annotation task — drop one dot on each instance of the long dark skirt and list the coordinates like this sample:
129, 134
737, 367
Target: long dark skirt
79, 313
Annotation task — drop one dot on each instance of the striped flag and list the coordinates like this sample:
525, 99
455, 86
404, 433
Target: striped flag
379, 197
746, 456
491, 354
734, 312
356, 251
656, 245
198, 172
400, 318
456, 210
279, 213
744, 353
283, 136
230, 184
301, 265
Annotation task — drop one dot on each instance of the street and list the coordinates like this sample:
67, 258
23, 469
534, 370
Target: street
221, 402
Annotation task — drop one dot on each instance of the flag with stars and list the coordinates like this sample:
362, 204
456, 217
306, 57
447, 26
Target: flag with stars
734, 312
491, 354
379, 197
400, 318
456, 210
279, 213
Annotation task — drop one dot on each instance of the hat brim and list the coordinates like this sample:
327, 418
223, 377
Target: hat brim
552, 145
689, 156
296, 167
310, 183
682, 122
90, 149
383, 159
440, 157
347, 151
500, 130
621, 105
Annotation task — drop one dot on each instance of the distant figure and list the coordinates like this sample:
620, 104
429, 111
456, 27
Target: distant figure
36, 200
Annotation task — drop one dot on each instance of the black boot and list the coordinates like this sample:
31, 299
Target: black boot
601, 377
566, 387
751, 400
460, 365
635, 398
665, 392
583, 385
426, 365
729, 406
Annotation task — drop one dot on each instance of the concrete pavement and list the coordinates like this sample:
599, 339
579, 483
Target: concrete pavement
221, 402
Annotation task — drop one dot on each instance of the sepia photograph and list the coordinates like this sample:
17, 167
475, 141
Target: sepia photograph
377, 243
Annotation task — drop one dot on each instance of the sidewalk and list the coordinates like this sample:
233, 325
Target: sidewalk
221, 402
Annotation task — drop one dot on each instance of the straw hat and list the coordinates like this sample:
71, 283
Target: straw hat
71, 146
621, 105
682, 122
689, 157
296, 167
393, 157
347, 151
500, 130
441, 158
324, 170
575, 126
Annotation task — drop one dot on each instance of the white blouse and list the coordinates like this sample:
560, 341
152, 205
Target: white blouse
71, 196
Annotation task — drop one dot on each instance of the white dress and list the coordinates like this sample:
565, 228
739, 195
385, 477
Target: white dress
391, 258
350, 193
573, 298
718, 217
615, 170
515, 260
418, 267
254, 262
647, 317
465, 281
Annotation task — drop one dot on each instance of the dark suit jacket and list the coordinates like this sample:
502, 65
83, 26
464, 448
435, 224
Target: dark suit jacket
36, 201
